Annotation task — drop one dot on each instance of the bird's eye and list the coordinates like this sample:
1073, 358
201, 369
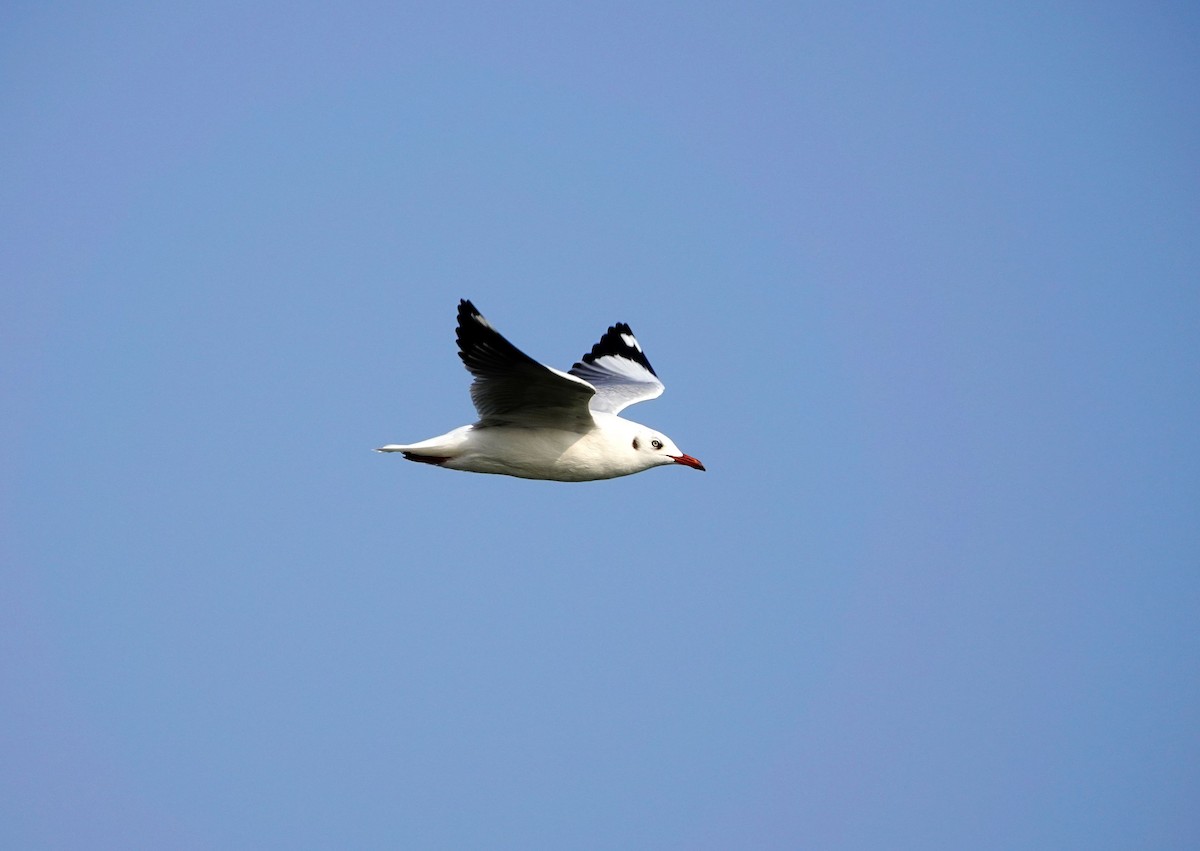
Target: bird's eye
657, 444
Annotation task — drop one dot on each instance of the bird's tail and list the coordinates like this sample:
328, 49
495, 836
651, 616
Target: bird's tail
435, 450
439, 460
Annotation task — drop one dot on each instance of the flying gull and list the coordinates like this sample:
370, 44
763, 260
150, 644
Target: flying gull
537, 422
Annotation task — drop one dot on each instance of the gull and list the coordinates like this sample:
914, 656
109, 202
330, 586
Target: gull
537, 422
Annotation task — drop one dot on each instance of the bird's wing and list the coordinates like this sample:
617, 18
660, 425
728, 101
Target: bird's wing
618, 369
511, 388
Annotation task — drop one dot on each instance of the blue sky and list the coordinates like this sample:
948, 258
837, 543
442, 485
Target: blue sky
921, 282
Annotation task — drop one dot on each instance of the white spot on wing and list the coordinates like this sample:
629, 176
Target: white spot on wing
631, 341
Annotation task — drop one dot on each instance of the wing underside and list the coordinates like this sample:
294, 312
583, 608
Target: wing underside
511, 388
619, 370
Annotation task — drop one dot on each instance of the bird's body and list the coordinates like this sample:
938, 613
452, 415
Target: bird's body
563, 455
536, 422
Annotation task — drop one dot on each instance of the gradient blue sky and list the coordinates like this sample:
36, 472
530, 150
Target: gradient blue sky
922, 282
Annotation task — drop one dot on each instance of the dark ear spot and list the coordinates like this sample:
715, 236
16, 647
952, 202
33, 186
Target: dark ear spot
636, 444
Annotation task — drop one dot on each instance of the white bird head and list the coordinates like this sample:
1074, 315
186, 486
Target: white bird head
655, 449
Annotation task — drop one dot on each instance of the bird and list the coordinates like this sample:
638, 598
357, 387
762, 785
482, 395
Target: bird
537, 422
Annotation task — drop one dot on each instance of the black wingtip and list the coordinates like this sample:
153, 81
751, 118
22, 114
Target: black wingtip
619, 341
466, 310
470, 326
482, 349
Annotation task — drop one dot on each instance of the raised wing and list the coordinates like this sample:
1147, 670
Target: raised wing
510, 387
618, 369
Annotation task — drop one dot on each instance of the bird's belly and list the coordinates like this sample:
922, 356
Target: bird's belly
564, 456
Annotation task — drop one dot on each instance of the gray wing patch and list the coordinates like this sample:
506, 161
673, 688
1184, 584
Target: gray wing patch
511, 388
619, 370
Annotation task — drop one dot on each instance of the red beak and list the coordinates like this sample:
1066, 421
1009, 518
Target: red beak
687, 461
